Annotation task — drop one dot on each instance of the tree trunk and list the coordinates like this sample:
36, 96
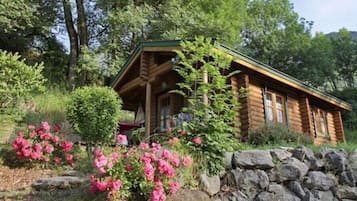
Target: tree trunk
82, 24
83, 35
73, 41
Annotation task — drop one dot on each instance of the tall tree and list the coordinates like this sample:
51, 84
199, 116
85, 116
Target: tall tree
274, 34
345, 56
132, 21
73, 41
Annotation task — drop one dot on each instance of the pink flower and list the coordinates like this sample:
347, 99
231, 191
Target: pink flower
36, 155
158, 194
45, 125
38, 147
129, 167
116, 185
57, 160
143, 145
175, 160
121, 139
146, 158
101, 185
149, 171
173, 141
69, 159
49, 148
166, 154
31, 127
115, 157
57, 127
100, 161
170, 172
169, 130
174, 186
182, 132
197, 140
55, 139
45, 136
155, 148
187, 161
109, 165
67, 146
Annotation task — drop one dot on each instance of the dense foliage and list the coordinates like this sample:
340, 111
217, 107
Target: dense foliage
211, 131
274, 134
94, 113
17, 79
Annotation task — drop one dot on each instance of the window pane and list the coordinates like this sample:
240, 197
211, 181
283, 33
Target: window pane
269, 107
279, 109
164, 113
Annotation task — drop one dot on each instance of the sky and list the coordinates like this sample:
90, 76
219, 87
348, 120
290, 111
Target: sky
328, 15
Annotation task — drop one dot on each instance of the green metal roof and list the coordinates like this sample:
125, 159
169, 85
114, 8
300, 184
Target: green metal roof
234, 53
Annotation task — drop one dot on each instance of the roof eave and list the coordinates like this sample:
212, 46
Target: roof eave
139, 48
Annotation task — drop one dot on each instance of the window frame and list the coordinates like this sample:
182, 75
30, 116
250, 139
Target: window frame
320, 120
168, 116
274, 107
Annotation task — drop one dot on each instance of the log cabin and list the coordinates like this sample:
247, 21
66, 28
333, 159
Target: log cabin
147, 77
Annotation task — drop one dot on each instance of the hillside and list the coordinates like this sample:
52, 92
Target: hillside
334, 34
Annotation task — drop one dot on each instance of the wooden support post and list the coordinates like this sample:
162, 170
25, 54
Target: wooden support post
148, 110
306, 116
337, 120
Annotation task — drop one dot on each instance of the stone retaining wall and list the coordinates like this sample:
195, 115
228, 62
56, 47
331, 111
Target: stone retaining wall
285, 174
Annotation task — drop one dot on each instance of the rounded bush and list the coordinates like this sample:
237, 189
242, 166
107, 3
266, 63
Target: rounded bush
94, 113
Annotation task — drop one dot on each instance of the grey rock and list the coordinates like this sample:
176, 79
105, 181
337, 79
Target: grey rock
336, 161
210, 184
229, 178
324, 195
302, 153
293, 169
251, 182
347, 177
273, 175
282, 193
280, 154
346, 192
323, 151
309, 196
296, 187
189, 195
61, 182
228, 160
318, 180
353, 163
235, 196
265, 196
315, 164
253, 159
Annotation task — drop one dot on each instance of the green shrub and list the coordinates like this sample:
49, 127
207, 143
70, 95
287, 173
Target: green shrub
211, 132
94, 113
17, 80
276, 134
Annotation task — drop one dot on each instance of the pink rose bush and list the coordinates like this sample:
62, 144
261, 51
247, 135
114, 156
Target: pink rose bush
42, 144
150, 170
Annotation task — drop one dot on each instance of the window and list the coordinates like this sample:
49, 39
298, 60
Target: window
320, 122
164, 112
275, 107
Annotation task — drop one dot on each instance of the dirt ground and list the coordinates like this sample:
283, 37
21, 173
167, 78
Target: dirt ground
17, 179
